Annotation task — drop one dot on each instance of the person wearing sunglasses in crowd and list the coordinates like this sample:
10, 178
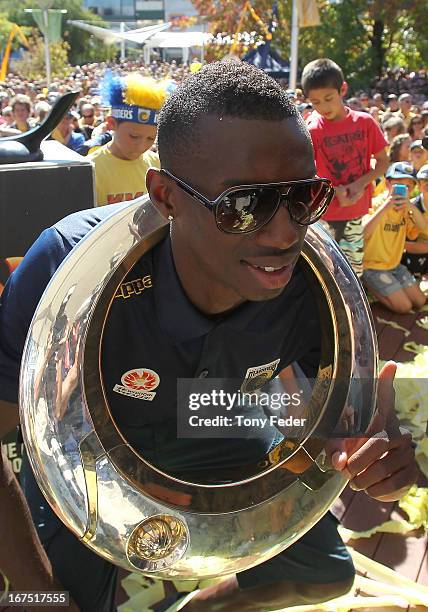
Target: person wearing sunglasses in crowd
226, 297
87, 120
416, 126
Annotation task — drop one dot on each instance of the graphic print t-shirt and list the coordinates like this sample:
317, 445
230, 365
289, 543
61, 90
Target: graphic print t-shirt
118, 180
343, 150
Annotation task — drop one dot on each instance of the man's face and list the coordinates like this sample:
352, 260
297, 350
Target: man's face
133, 139
328, 102
21, 113
377, 99
418, 157
88, 115
405, 104
393, 104
66, 126
423, 188
228, 152
404, 151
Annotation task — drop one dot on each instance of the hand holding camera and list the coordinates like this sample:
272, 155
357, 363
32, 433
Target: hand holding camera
399, 196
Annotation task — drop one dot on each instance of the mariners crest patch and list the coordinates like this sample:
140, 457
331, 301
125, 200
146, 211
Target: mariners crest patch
257, 376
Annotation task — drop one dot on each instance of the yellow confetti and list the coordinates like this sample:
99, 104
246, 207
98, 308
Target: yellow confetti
415, 505
422, 322
395, 325
393, 526
413, 347
6, 583
381, 573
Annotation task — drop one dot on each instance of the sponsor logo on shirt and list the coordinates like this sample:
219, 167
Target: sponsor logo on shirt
257, 376
134, 287
394, 227
139, 384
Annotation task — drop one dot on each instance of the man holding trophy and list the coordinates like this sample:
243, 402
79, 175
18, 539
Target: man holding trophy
238, 184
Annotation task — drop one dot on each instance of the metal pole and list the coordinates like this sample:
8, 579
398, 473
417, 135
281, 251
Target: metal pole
203, 43
122, 42
294, 51
47, 53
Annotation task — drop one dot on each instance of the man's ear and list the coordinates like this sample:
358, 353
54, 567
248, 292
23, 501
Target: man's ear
159, 188
344, 89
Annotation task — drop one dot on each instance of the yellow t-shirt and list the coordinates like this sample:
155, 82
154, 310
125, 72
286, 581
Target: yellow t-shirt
117, 180
384, 249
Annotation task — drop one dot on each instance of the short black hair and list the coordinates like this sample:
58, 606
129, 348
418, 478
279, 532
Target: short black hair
228, 88
320, 74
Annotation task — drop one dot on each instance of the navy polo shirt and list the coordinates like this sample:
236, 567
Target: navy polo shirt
153, 331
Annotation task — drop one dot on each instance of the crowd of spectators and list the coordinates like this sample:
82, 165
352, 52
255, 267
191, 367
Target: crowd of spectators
398, 101
399, 81
25, 104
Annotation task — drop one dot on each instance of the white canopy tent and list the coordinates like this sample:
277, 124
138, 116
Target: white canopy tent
138, 36
151, 37
176, 40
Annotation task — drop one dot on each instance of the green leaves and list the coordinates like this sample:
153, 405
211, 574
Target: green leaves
363, 36
82, 47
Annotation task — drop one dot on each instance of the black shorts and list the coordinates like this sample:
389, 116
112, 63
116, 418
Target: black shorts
319, 557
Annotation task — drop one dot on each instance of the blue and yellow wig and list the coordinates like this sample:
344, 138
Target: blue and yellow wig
134, 97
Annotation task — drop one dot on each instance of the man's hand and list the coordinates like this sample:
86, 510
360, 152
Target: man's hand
344, 196
383, 462
397, 202
355, 190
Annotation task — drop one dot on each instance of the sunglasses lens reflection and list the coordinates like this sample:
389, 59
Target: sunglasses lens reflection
245, 210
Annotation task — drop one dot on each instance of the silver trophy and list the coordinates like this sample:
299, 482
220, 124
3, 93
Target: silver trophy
124, 508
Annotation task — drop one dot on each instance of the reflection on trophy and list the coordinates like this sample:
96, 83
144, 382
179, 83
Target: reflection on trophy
126, 508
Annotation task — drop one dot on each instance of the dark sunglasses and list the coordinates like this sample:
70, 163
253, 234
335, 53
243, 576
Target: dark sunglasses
247, 208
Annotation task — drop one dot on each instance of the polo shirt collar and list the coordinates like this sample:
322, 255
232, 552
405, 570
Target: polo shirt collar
176, 314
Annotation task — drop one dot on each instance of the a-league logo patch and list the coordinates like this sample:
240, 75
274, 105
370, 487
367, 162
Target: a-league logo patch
138, 383
257, 376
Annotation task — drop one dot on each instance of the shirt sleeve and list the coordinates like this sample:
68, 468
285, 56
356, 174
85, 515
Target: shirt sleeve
18, 303
412, 232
